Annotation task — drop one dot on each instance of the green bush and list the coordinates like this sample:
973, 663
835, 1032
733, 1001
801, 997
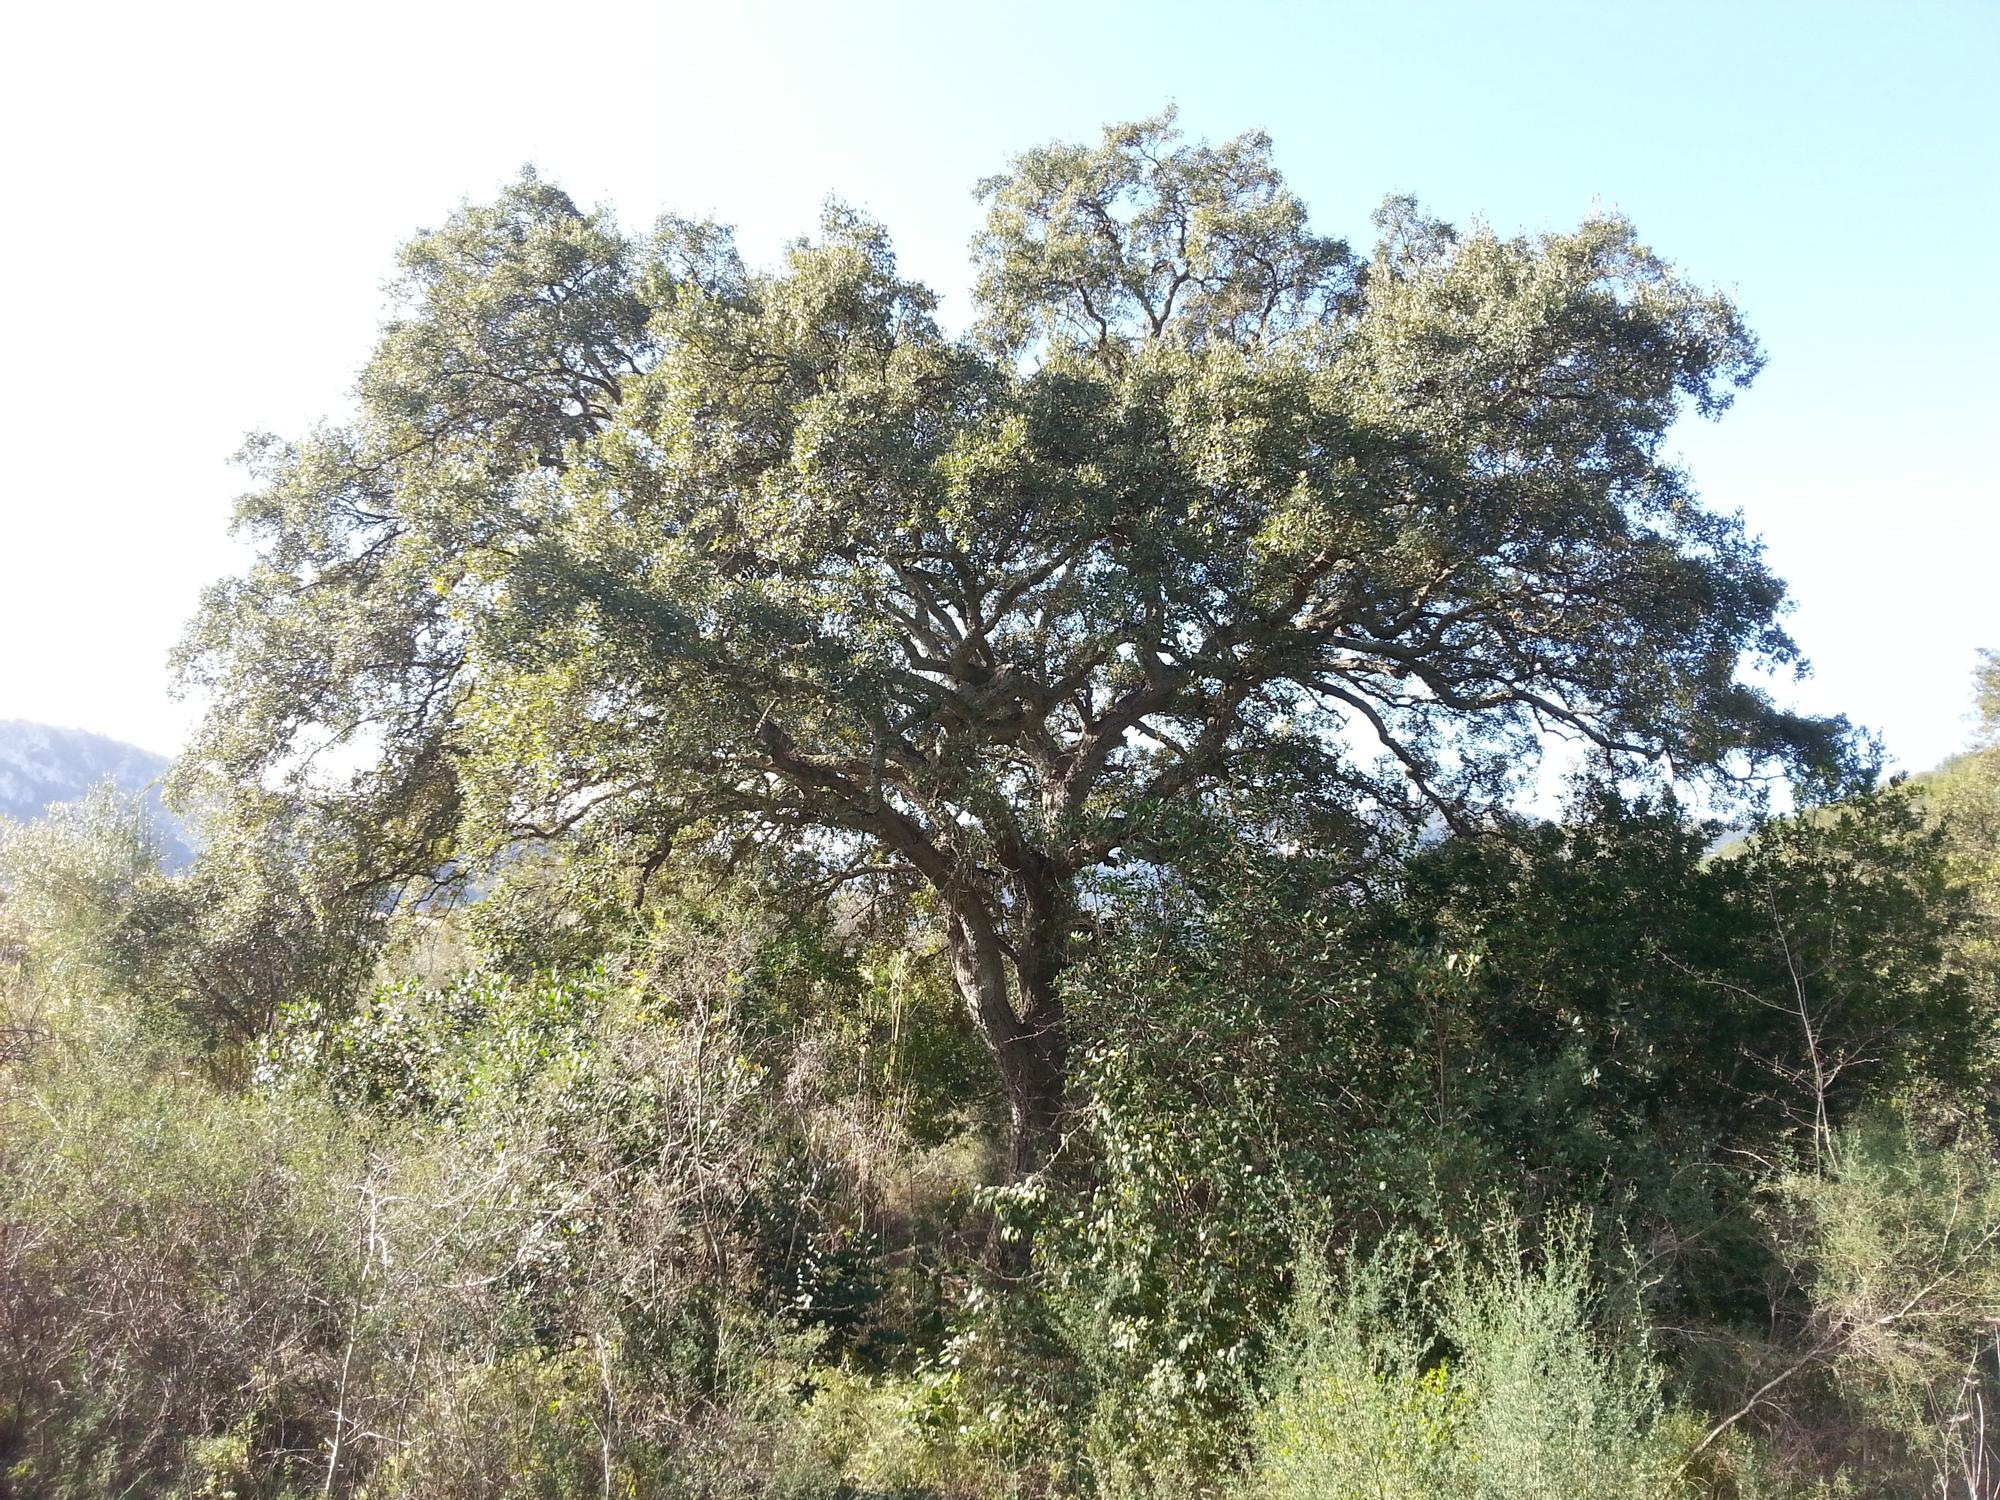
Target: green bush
995, 1410
1888, 1362
210, 953
1512, 1385
1245, 1061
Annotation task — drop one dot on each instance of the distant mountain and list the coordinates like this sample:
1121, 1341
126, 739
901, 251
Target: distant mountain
40, 765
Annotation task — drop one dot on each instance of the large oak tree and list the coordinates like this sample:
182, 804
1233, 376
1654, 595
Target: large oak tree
1206, 516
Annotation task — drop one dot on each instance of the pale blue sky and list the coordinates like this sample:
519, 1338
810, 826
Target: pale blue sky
205, 201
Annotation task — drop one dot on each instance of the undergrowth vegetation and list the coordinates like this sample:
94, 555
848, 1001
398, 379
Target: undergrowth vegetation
1512, 1179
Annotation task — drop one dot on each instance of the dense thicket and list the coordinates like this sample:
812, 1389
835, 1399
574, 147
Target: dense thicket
1573, 1164
699, 728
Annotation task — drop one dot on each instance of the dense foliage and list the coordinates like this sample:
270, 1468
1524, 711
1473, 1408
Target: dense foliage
634, 548
697, 729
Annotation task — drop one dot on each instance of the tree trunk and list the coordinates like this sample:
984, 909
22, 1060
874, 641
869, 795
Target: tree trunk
1029, 1049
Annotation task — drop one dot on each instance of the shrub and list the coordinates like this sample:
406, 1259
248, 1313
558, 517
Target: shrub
1242, 1063
210, 953
1885, 1374
1513, 1385
540, 1290
176, 1269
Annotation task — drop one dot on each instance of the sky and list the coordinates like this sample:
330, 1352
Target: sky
206, 201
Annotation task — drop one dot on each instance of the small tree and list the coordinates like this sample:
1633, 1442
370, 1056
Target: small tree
218, 947
1207, 516
1965, 794
75, 884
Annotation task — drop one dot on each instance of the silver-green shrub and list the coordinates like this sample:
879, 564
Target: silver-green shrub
1512, 1384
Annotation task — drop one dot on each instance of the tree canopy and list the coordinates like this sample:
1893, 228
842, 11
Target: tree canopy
1205, 516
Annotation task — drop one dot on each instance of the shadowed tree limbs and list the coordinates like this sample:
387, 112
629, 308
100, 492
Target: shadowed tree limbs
1209, 516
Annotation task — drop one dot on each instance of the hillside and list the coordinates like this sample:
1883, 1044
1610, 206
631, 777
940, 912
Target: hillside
41, 764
